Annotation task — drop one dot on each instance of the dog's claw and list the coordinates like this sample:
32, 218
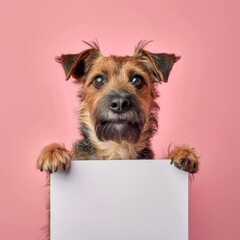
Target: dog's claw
193, 169
182, 160
186, 162
41, 168
64, 167
172, 161
50, 170
177, 165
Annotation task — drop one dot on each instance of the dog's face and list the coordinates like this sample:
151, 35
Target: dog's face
118, 93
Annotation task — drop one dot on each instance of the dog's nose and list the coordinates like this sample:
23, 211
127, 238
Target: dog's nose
120, 104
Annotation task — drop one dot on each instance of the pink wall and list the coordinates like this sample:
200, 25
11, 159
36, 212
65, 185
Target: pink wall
199, 105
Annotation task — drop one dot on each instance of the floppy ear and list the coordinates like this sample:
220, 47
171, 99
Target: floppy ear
158, 64
76, 65
163, 64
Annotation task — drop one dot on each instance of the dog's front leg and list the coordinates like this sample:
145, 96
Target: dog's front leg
184, 158
54, 157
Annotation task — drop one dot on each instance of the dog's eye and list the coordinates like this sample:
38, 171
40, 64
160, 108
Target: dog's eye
137, 81
99, 81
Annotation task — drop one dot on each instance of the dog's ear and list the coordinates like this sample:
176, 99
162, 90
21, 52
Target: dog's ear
77, 65
158, 64
163, 64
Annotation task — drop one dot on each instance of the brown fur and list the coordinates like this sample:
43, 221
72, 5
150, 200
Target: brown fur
54, 157
94, 113
184, 157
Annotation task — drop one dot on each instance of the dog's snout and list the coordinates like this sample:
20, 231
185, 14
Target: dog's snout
120, 104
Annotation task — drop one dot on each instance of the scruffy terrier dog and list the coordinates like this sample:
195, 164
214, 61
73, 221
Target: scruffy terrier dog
117, 110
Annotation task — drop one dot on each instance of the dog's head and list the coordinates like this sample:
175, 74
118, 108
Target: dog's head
118, 93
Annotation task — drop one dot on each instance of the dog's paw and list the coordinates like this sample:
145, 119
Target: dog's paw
184, 158
54, 157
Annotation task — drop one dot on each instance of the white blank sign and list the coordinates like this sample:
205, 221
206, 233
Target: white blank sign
119, 200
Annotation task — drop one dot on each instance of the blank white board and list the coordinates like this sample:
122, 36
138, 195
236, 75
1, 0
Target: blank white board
119, 200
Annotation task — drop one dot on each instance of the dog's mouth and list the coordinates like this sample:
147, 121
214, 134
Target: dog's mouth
121, 130
117, 122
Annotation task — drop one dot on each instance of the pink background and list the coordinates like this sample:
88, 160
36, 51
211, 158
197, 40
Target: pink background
199, 105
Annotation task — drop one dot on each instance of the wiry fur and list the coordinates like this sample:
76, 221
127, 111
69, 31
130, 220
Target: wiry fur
106, 133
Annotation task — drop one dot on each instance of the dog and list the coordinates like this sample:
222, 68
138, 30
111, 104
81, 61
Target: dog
117, 110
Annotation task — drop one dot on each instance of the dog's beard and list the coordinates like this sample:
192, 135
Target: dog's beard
118, 131
126, 126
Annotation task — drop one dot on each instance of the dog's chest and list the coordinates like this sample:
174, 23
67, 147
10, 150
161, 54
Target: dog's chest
113, 151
